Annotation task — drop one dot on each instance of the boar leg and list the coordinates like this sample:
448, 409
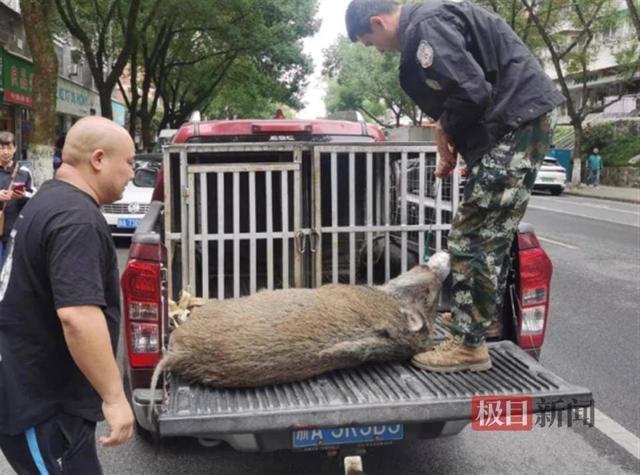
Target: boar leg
354, 351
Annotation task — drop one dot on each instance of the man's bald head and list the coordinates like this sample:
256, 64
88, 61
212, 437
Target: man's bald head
98, 157
90, 134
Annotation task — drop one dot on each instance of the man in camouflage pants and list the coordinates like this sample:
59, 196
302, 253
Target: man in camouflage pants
467, 69
495, 199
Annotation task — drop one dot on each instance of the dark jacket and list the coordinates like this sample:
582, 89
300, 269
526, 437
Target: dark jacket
463, 65
13, 207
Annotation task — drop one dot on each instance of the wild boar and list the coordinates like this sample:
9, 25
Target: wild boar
287, 335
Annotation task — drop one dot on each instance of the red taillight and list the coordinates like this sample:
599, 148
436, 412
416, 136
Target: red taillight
527, 241
535, 281
142, 296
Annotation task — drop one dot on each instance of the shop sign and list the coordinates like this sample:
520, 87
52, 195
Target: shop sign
75, 100
119, 113
17, 78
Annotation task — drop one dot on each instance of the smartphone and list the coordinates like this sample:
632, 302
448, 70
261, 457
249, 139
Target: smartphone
19, 187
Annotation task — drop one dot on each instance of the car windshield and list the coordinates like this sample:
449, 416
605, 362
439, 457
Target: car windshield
551, 161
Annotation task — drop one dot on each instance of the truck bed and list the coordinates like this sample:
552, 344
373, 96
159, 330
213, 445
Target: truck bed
373, 394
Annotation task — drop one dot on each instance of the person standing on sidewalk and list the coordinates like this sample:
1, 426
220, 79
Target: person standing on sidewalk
595, 166
12, 197
467, 69
60, 312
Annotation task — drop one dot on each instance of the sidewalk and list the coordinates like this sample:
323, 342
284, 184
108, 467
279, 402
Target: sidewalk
628, 195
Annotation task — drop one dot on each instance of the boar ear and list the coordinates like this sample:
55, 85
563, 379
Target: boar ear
414, 320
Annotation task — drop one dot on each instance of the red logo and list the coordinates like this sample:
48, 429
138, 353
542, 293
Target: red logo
501, 413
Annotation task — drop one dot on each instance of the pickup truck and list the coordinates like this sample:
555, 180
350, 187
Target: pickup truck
250, 205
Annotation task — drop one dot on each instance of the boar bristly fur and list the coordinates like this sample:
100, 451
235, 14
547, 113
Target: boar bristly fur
288, 335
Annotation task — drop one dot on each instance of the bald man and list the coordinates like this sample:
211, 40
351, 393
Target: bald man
60, 312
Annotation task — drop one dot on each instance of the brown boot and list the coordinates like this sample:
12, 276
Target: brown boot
451, 356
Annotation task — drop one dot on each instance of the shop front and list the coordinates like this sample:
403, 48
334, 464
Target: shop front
72, 103
15, 102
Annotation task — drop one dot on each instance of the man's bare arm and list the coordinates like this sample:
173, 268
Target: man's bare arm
87, 336
448, 156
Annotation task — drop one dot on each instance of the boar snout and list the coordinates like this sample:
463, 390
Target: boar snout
440, 264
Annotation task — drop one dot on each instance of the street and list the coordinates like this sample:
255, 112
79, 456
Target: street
591, 341
592, 336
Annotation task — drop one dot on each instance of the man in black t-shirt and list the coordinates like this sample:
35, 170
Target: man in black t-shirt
60, 312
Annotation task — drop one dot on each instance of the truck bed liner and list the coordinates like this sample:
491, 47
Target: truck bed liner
373, 394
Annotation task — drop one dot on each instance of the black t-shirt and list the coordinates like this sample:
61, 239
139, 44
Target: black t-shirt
60, 255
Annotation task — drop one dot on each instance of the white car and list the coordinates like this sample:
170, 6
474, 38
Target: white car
124, 215
552, 177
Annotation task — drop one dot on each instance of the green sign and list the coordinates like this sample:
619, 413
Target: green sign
17, 79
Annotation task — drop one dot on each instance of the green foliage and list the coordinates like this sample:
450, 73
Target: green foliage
243, 56
362, 79
515, 14
618, 143
244, 61
620, 150
597, 136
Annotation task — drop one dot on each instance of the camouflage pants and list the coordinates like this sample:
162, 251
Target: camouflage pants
495, 199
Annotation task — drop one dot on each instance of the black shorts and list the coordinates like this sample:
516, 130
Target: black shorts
63, 444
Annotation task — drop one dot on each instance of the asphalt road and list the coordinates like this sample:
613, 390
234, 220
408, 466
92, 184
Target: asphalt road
592, 340
595, 306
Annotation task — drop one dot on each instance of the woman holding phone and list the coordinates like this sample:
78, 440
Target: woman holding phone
15, 188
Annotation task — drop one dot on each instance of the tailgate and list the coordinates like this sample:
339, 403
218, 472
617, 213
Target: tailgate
375, 394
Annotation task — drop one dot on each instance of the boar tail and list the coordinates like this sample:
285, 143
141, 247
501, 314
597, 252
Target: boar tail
154, 380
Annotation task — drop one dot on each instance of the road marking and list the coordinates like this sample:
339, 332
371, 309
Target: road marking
557, 243
621, 436
573, 199
596, 204
605, 207
578, 215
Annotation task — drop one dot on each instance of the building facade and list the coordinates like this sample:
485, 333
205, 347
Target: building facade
16, 74
76, 95
609, 89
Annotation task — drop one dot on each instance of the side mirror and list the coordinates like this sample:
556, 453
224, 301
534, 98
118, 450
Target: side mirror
145, 177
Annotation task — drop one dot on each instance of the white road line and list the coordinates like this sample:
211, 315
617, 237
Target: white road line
605, 207
598, 204
557, 243
621, 436
578, 215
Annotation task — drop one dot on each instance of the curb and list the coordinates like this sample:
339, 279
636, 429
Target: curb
601, 197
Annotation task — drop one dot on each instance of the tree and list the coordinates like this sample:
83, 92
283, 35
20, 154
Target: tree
259, 98
569, 31
37, 15
246, 58
107, 31
360, 78
255, 51
515, 14
635, 16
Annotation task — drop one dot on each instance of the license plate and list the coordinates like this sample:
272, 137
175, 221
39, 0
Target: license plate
548, 180
346, 435
128, 223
